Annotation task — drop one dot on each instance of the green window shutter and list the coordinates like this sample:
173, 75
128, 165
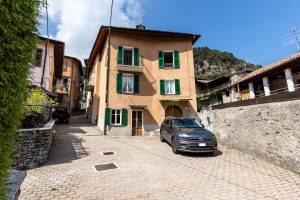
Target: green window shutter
177, 86
136, 57
124, 116
176, 59
220, 99
162, 87
136, 81
161, 62
120, 55
119, 83
107, 116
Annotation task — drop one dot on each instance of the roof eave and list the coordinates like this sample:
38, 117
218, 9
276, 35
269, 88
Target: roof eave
93, 54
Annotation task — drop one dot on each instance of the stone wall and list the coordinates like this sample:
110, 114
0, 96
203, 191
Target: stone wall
33, 146
270, 131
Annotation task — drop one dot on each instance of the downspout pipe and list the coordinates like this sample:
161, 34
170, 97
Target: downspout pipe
108, 67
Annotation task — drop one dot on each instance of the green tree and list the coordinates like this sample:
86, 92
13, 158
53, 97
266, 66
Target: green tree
18, 30
225, 62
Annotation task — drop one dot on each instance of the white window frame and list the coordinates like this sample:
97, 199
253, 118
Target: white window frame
167, 85
132, 59
127, 92
111, 115
169, 51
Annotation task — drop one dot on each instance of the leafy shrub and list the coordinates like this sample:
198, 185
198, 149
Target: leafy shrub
18, 29
34, 108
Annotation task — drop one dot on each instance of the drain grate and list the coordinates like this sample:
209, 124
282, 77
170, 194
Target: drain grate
106, 153
104, 167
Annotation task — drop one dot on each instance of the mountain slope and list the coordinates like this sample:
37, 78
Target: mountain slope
211, 64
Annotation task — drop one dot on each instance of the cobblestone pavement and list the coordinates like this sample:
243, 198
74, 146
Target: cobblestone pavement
149, 170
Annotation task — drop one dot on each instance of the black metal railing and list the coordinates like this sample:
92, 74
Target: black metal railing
128, 59
35, 116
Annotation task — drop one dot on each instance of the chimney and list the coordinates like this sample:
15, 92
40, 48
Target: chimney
140, 26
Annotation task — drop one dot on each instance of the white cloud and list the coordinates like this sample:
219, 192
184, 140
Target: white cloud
78, 21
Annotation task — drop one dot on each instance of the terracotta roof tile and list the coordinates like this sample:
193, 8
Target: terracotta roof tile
270, 67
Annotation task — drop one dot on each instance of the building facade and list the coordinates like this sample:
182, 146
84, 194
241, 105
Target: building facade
48, 63
278, 77
150, 76
216, 92
68, 87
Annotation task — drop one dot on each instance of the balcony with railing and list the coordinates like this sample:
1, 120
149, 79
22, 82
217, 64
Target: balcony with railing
128, 64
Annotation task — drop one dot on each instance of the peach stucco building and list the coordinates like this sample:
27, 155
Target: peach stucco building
151, 76
68, 87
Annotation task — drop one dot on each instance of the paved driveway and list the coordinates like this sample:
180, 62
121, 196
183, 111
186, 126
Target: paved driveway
149, 170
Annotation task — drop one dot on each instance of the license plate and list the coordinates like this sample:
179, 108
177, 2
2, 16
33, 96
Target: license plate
202, 144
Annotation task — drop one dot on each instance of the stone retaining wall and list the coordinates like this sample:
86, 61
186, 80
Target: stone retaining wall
270, 131
33, 146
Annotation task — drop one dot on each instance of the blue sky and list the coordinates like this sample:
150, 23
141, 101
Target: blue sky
253, 30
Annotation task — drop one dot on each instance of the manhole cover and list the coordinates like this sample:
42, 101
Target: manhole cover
108, 153
104, 167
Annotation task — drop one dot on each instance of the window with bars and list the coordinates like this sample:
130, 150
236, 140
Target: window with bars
38, 57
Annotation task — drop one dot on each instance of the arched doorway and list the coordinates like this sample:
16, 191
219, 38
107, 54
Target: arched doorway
174, 111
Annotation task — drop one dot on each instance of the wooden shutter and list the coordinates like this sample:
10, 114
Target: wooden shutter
136, 81
177, 86
162, 87
120, 55
176, 59
107, 116
124, 116
161, 62
136, 57
119, 83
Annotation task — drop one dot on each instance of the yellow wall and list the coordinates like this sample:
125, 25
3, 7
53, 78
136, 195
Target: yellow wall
149, 82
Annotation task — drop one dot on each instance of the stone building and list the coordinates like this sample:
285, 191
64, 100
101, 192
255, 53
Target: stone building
216, 92
151, 76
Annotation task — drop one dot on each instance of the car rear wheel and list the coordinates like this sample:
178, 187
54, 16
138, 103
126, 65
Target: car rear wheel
174, 146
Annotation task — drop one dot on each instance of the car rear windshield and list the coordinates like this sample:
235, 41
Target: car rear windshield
187, 123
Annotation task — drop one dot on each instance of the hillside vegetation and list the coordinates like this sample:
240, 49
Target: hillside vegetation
211, 64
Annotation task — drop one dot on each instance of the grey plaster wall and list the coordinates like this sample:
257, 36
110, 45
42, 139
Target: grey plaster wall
33, 146
270, 131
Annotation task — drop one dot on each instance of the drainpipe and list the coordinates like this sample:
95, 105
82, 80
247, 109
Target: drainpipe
46, 50
108, 66
71, 85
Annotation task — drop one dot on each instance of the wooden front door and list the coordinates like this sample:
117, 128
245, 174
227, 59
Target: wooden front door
137, 123
173, 111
